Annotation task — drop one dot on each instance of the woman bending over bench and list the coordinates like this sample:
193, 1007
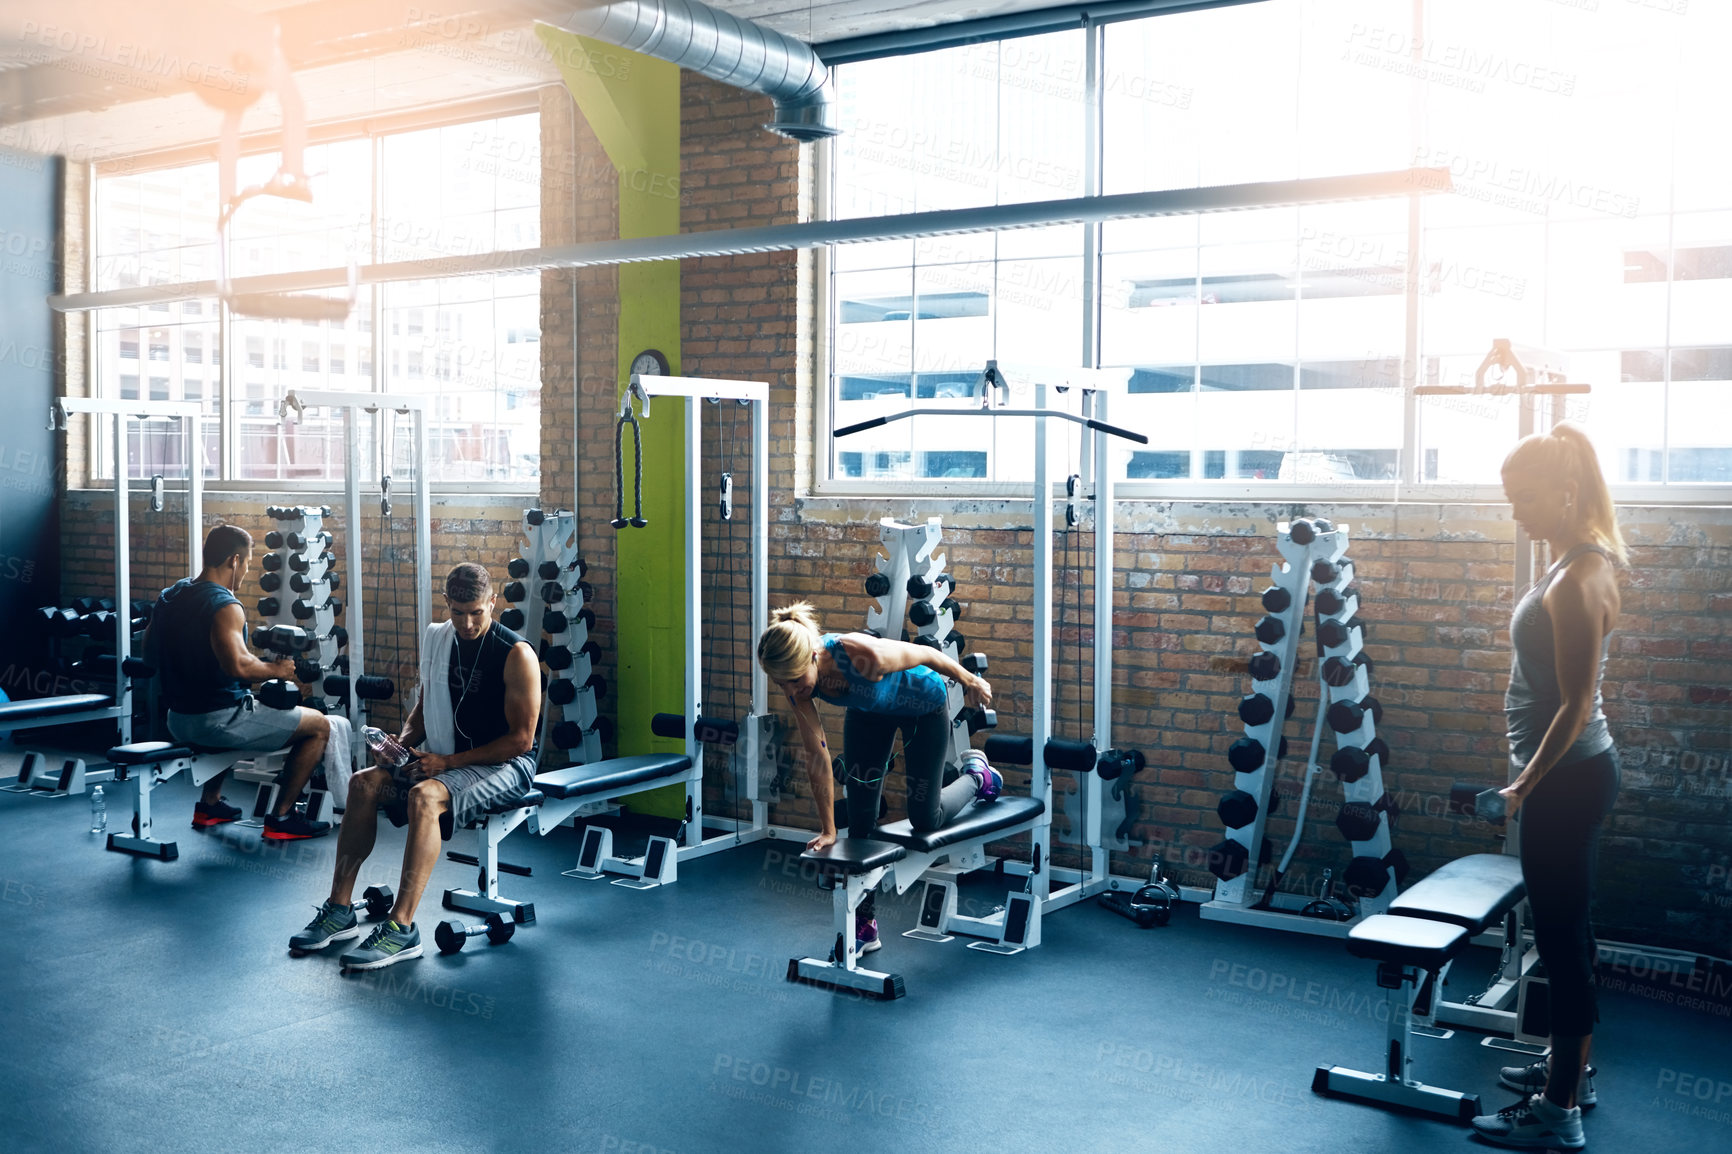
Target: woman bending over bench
884, 686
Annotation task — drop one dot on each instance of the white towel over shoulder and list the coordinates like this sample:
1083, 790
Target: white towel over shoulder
435, 691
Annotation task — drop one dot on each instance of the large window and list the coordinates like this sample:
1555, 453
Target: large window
1592, 216
472, 342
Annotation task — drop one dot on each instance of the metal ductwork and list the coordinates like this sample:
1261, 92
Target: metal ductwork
725, 48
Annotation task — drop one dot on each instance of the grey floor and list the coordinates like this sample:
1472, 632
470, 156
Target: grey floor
155, 1007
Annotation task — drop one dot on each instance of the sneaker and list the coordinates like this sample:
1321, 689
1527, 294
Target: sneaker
1535, 1123
333, 923
866, 937
388, 944
206, 814
293, 825
990, 781
1532, 1080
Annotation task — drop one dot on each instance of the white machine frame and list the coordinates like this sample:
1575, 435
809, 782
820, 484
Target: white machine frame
1093, 876
352, 404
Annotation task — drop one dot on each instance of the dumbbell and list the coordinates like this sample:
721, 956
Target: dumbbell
555, 620
1351, 763
1257, 709
1116, 763
1358, 820
550, 570
1264, 667
377, 900
273, 540
570, 735
1332, 631
1227, 859
269, 606
1348, 716
1302, 531
1248, 754
1339, 671
920, 588
271, 562
1330, 602
299, 542
923, 614
303, 608
1270, 630
515, 591
302, 563
300, 583
877, 585
512, 619
1277, 600
279, 694
1324, 571
284, 639
561, 657
552, 592
976, 718
367, 687
1369, 876
451, 934
58, 622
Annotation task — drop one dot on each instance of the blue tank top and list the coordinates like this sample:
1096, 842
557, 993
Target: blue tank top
907, 693
1533, 698
192, 681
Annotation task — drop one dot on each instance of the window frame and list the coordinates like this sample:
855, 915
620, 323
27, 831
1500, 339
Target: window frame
1409, 488
373, 129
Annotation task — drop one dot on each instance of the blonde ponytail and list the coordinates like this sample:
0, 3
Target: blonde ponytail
786, 646
1566, 454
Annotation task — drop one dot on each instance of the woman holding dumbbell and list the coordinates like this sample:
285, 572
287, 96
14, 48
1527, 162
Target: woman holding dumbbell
885, 687
1567, 775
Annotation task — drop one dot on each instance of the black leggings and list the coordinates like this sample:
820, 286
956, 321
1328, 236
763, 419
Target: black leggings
1560, 830
866, 743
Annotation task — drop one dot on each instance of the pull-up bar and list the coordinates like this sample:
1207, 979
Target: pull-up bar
990, 384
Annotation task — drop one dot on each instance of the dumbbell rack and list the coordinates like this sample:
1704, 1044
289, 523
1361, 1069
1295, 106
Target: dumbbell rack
298, 552
548, 561
1313, 561
920, 590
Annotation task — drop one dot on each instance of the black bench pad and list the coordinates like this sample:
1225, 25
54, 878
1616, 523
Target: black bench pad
37, 708
1406, 941
977, 819
1473, 892
147, 752
607, 776
854, 855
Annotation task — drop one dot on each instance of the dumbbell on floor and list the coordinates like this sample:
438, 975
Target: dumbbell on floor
451, 934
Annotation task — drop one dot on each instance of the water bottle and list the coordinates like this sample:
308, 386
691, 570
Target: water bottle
98, 811
389, 749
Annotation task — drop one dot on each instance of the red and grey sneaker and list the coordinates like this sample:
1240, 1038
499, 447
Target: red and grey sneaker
294, 825
208, 813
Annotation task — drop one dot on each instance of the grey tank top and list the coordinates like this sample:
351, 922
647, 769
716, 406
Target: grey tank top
1533, 698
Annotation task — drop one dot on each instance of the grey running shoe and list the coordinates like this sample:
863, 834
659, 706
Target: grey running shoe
1532, 1080
388, 944
1533, 1123
333, 923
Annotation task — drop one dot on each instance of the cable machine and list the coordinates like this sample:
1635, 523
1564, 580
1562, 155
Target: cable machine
1042, 752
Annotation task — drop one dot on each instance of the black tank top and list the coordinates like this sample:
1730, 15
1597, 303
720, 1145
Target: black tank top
192, 681
476, 676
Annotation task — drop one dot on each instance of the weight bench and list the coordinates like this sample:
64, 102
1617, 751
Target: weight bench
580, 790
907, 857
35, 774
1413, 944
493, 825
149, 764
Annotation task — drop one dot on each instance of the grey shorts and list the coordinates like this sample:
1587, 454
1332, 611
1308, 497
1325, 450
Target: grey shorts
473, 788
246, 725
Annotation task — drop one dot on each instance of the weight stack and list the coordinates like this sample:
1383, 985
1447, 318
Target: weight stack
1374, 875
1265, 710
549, 607
300, 573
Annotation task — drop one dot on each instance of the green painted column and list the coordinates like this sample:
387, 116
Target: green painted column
632, 102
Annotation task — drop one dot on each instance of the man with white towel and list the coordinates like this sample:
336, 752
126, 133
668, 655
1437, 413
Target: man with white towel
472, 735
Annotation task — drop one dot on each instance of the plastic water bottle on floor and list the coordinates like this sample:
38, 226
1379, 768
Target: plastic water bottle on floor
98, 811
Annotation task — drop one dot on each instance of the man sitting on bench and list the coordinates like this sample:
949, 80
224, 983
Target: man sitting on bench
474, 720
885, 686
198, 642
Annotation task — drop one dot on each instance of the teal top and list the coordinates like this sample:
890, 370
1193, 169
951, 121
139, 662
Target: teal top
906, 693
